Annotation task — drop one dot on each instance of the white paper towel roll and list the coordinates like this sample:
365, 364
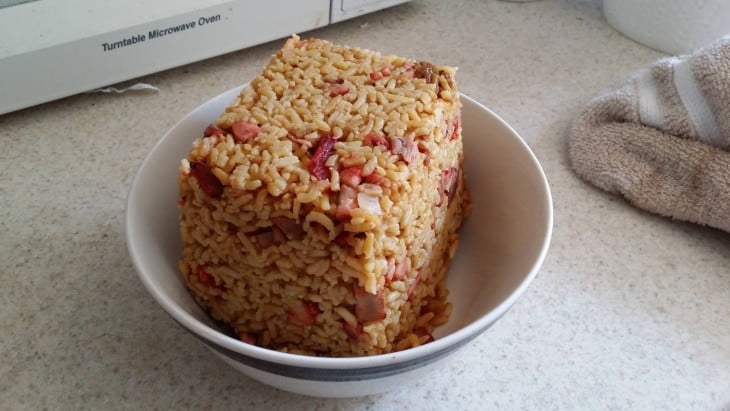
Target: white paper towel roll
671, 26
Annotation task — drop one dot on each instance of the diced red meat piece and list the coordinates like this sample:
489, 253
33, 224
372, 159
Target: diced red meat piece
401, 269
279, 236
347, 201
411, 151
244, 131
426, 71
333, 80
247, 338
304, 312
390, 271
351, 176
397, 146
374, 139
369, 307
207, 279
264, 235
457, 128
316, 164
213, 130
204, 277
290, 227
405, 147
343, 239
354, 332
379, 74
452, 126
449, 178
338, 89
443, 198
265, 239
414, 283
207, 181
375, 178
426, 158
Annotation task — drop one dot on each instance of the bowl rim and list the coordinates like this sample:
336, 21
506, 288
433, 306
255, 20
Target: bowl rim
212, 336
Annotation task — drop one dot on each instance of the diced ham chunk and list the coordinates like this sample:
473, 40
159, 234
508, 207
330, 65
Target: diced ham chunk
449, 178
405, 147
426, 71
369, 307
333, 79
343, 239
290, 227
317, 163
401, 269
396, 271
351, 176
213, 130
265, 239
247, 338
338, 89
374, 140
279, 236
304, 312
457, 128
207, 181
354, 332
414, 283
346, 202
379, 74
390, 270
205, 278
244, 131
374, 178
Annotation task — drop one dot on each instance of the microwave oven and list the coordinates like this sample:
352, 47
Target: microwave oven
51, 49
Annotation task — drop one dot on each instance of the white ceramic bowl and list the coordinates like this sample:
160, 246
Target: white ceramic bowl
502, 247
671, 26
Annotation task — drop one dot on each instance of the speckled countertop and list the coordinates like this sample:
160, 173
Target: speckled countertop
630, 310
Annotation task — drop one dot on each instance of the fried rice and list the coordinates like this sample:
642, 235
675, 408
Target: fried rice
319, 212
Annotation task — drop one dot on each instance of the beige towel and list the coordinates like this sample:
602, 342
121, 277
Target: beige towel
662, 140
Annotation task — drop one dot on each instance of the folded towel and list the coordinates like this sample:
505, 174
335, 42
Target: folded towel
662, 139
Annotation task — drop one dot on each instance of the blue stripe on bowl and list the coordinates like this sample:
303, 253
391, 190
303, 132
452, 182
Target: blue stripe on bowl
334, 374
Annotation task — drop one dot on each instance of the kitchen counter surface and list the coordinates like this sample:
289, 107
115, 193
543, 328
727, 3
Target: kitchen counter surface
630, 310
